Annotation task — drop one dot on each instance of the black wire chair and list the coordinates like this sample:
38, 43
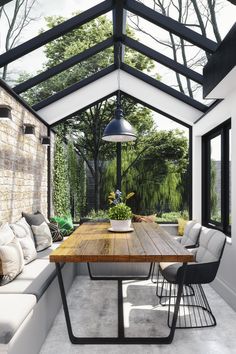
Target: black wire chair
188, 240
195, 311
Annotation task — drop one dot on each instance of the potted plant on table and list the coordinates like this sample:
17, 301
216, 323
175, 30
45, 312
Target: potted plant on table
120, 214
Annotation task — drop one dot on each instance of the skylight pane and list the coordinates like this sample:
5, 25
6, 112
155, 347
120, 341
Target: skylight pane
57, 51
69, 77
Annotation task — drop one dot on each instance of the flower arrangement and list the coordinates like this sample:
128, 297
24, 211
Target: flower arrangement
119, 211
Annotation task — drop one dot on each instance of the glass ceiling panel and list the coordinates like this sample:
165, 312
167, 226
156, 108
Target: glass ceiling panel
69, 77
189, 12
161, 41
59, 50
40, 10
165, 75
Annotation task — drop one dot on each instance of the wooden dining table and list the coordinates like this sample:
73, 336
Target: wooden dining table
93, 243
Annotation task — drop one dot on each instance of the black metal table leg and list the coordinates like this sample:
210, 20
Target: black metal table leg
120, 339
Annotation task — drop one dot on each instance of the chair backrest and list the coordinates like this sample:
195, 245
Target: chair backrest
211, 246
191, 233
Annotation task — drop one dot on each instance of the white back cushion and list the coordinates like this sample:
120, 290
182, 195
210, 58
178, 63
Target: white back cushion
210, 247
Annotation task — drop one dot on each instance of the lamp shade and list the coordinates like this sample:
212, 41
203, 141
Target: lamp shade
5, 112
119, 129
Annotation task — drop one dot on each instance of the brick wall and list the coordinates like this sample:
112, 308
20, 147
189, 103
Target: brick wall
23, 163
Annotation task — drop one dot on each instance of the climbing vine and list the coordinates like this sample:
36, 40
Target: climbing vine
61, 196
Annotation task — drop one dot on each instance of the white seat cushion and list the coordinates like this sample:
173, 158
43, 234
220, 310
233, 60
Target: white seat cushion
14, 308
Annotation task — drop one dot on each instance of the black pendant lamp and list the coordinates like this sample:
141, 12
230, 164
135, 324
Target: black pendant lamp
119, 130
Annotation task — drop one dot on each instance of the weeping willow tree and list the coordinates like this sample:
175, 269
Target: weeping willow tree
154, 170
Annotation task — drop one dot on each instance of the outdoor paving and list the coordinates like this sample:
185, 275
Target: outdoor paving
93, 308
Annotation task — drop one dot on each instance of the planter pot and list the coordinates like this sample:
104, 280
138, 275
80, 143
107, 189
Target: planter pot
120, 225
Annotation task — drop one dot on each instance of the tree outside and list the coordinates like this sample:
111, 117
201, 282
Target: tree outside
154, 165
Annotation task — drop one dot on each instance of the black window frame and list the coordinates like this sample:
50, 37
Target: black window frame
222, 130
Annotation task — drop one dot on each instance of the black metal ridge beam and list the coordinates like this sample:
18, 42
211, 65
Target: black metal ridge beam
119, 29
220, 63
170, 25
63, 66
83, 109
56, 32
6, 87
74, 87
163, 87
162, 59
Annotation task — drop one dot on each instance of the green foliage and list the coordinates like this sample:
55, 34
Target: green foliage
65, 224
215, 211
77, 185
173, 216
96, 215
120, 212
61, 196
154, 168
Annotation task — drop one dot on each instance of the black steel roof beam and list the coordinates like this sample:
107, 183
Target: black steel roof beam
56, 32
63, 66
74, 87
162, 59
119, 29
170, 25
4, 2
165, 88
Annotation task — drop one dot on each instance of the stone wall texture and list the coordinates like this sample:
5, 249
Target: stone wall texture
23, 163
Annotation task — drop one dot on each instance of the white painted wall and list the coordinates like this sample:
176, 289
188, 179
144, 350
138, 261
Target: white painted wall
225, 282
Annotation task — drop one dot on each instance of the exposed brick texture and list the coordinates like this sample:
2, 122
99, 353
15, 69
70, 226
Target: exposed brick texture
23, 163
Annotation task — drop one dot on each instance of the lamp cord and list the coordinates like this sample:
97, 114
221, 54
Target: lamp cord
118, 77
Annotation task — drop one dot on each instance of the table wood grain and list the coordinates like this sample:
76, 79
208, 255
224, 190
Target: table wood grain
92, 242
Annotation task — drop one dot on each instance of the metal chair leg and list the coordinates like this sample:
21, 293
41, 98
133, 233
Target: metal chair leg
195, 311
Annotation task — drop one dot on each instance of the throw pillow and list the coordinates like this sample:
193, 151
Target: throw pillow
34, 219
144, 218
25, 236
55, 232
11, 255
42, 236
65, 224
181, 226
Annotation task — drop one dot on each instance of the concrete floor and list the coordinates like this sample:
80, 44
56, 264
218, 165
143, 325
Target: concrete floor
93, 308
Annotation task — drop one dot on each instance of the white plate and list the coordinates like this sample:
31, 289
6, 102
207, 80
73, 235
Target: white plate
128, 230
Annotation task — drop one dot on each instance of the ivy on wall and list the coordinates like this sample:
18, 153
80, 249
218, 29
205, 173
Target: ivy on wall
61, 195
69, 195
77, 182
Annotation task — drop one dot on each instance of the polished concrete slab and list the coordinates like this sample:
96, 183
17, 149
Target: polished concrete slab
93, 308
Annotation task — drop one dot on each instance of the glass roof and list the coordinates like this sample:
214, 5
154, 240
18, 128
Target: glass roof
95, 31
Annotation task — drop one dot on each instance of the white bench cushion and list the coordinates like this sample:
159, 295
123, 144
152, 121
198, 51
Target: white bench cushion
14, 308
35, 277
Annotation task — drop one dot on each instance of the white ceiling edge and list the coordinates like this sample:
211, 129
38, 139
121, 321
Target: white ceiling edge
79, 99
225, 86
158, 99
129, 84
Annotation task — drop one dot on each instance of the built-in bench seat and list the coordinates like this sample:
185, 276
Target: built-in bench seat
29, 304
35, 278
14, 308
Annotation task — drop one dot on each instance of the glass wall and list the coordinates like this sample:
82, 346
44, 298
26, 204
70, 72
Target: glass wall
216, 183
